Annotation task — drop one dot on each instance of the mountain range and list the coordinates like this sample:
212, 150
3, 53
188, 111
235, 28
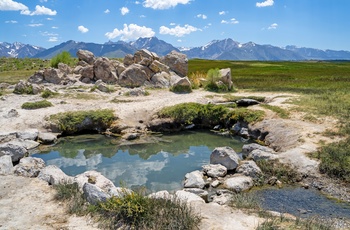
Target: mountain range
226, 49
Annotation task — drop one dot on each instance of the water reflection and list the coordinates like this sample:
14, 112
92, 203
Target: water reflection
158, 162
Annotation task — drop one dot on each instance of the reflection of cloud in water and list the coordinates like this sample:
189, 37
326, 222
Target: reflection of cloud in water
132, 173
80, 160
173, 186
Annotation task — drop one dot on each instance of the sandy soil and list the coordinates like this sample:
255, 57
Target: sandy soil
28, 203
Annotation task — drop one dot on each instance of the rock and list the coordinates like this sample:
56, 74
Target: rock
157, 67
215, 183
247, 102
249, 168
64, 68
86, 56
27, 144
188, 197
272, 180
161, 195
37, 77
102, 86
54, 175
54, 76
244, 132
133, 76
177, 62
144, 56
37, 89
6, 166
12, 113
226, 77
29, 167
199, 192
6, 137
128, 60
95, 178
94, 194
105, 71
238, 183
47, 138
236, 128
77, 69
161, 80
258, 154
137, 92
118, 191
215, 170
15, 151
194, 180
131, 136
182, 85
87, 73
248, 148
28, 134
23, 87
222, 199
225, 156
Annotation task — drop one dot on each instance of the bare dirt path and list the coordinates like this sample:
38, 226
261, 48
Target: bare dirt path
28, 203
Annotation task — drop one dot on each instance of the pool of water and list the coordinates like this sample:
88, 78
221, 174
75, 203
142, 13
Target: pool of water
158, 165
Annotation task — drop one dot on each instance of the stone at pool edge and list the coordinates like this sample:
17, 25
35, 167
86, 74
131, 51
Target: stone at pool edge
225, 156
47, 138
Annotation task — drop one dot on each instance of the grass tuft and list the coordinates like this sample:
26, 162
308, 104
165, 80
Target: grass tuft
36, 105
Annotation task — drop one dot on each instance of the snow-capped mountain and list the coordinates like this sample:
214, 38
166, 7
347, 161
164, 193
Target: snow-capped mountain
18, 50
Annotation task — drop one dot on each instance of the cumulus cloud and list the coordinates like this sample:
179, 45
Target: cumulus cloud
107, 11
53, 39
164, 4
11, 21
12, 5
178, 31
273, 26
124, 10
264, 4
35, 24
42, 10
131, 32
222, 12
232, 21
203, 16
83, 29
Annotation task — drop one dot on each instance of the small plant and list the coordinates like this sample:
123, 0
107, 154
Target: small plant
247, 115
282, 113
36, 105
274, 168
74, 198
48, 93
63, 57
245, 201
181, 89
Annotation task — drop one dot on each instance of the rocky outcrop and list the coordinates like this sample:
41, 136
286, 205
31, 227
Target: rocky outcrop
214, 170
86, 56
194, 180
29, 167
105, 71
225, 156
177, 62
54, 175
16, 152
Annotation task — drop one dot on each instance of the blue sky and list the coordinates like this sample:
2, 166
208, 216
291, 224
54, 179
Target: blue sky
323, 24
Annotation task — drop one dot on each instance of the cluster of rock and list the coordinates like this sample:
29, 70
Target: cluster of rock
144, 68
16, 145
227, 174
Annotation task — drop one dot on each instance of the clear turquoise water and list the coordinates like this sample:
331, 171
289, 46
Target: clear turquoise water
160, 165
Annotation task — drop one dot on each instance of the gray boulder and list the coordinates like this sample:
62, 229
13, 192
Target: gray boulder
133, 76
95, 178
182, 84
258, 154
226, 77
161, 195
7, 136
143, 54
199, 192
87, 73
54, 175
177, 62
6, 166
161, 80
157, 67
248, 148
223, 198
128, 60
225, 156
118, 66
15, 151
37, 77
103, 87
86, 56
188, 197
29, 167
64, 68
93, 194
28, 134
47, 138
215, 170
249, 168
54, 76
105, 71
23, 87
27, 144
238, 183
194, 180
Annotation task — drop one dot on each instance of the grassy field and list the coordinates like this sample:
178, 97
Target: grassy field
325, 90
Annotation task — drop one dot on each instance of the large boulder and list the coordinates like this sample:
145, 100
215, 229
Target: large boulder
188, 197
157, 67
23, 87
54, 175
128, 60
37, 77
105, 71
29, 167
15, 151
258, 155
225, 156
87, 73
194, 180
248, 148
47, 138
177, 62
94, 194
144, 56
6, 166
226, 77
27, 144
238, 183
215, 170
182, 85
95, 178
161, 80
28, 134
64, 68
133, 76
54, 76
86, 56
199, 192
249, 168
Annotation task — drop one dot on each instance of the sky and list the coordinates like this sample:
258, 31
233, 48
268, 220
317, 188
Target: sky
321, 24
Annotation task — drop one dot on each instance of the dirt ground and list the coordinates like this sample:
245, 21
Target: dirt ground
28, 203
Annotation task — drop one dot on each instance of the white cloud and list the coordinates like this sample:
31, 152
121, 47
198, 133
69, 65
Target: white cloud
83, 29
53, 39
54, 27
39, 10
222, 12
49, 19
203, 16
163, 4
264, 4
137, 3
12, 5
273, 26
11, 21
124, 10
35, 24
172, 23
131, 32
178, 31
232, 21
142, 16
43, 0
107, 11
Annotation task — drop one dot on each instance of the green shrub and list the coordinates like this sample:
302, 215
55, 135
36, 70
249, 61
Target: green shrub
75, 200
247, 115
36, 105
245, 201
283, 172
181, 89
48, 93
63, 57
27, 90
73, 122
